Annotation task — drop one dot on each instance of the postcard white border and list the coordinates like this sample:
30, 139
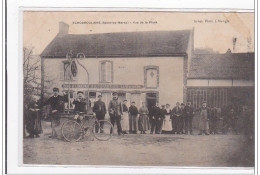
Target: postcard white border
14, 46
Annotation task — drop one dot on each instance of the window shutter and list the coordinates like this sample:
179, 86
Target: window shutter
108, 77
103, 71
61, 71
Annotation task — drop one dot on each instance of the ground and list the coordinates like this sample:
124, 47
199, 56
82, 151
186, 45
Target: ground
143, 150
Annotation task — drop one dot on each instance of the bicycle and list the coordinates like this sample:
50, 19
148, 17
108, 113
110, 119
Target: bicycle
76, 129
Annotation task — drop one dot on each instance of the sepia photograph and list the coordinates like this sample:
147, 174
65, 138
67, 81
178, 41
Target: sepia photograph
110, 88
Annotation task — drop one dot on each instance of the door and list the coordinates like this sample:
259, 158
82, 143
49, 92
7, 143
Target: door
151, 99
121, 97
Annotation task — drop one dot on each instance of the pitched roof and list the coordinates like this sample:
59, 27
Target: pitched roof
223, 66
151, 43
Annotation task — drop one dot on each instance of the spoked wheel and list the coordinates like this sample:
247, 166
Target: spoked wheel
72, 131
103, 130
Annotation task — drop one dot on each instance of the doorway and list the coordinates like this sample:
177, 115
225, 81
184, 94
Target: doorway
151, 99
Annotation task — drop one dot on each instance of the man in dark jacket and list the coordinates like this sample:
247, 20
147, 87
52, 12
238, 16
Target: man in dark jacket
160, 119
154, 117
176, 119
188, 116
100, 110
133, 112
56, 103
213, 121
115, 112
182, 120
80, 103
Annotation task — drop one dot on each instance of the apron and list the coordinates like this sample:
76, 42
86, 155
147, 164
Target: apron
125, 121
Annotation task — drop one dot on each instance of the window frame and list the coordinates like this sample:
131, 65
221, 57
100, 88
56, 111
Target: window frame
101, 73
146, 68
63, 72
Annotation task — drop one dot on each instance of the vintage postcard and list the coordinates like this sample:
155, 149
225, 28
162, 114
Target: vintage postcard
138, 88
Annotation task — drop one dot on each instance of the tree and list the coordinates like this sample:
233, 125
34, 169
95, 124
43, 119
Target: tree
31, 74
31, 79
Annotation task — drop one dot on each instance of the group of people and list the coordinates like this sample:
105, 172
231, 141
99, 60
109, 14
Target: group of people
158, 120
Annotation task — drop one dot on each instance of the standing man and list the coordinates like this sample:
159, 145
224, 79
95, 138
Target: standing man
213, 121
154, 117
133, 112
115, 112
182, 121
56, 103
176, 115
100, 110
231, 120
204, 116
188, 116
161, 119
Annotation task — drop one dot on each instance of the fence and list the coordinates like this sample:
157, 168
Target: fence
221, 96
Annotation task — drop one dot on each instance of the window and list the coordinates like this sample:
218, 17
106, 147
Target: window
92, 95
65, 71
121, 96
69, 105
106, 71
151, 77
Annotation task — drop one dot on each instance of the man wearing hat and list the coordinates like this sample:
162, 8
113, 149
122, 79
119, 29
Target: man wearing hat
182, 121
115, 112
56, 103
80, 103
160, 119
176, 118
133, 113
155, 115
100, 110
188, 116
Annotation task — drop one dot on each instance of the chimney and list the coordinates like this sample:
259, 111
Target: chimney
63, 28
228, 51
234, 39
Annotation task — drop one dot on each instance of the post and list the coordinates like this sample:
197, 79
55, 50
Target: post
87, 78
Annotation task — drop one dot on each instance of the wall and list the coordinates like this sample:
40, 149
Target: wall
128, 71
219, 83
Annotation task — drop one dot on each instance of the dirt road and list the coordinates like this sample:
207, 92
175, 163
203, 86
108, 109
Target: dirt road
145, 150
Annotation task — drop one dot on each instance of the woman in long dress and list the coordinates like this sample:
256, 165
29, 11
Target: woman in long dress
204, 115
167, 122
143, 119
33, 122
125, 118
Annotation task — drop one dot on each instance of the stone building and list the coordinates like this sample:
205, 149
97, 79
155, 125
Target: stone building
141, 66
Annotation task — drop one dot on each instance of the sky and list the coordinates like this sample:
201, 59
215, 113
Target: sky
211, 30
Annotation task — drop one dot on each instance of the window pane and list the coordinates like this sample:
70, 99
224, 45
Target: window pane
92, 94
62, 71
103, 72
151, 75
67, 72
108, 78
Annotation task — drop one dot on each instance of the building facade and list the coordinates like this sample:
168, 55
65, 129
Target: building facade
222, 79
140, 66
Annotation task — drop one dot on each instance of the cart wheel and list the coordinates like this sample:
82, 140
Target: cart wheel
72, 131
103, 130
